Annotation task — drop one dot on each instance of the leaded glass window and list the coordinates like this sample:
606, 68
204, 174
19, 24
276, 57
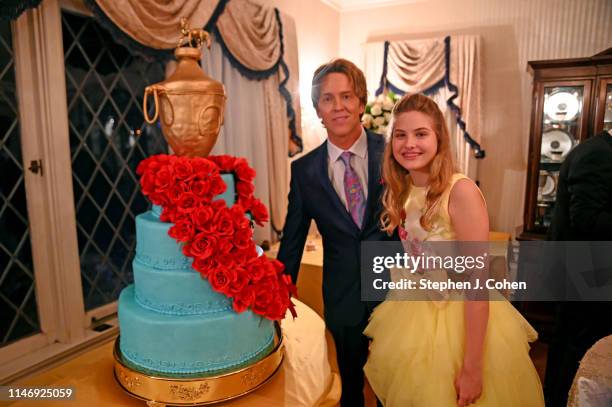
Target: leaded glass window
18, 310
105, 86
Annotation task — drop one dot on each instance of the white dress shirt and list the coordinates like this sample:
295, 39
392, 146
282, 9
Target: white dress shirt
359, 162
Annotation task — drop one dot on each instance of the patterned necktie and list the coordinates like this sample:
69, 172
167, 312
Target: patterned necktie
355, 197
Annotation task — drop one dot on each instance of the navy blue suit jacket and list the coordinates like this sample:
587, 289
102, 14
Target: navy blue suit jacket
312, 197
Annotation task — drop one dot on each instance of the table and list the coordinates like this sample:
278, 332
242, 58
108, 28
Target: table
305, 378
592, 386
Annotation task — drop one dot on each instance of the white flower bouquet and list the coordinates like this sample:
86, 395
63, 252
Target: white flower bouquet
378, 112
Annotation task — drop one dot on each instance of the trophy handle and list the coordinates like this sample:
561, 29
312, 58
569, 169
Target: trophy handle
149, 90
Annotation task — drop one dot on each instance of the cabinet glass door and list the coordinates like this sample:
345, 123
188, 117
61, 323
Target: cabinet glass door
607, 108
561, 129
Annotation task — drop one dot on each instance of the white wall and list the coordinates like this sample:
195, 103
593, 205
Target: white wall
318, 36
513, 32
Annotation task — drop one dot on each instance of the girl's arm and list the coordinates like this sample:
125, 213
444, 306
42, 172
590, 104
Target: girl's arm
470, 220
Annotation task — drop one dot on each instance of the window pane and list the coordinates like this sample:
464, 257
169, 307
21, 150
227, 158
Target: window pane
18, 311
105, 86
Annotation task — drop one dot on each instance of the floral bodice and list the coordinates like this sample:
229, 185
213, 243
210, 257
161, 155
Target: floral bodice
411, 232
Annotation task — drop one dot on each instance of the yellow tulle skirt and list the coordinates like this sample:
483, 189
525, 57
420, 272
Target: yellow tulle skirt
417, 351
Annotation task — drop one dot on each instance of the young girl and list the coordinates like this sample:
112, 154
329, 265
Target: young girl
443, 352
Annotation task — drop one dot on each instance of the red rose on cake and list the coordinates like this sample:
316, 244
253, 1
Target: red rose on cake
224, 162
242, 238
221, 279
204, 265
218, 238
160, 199
183, 170
224, 245
243, 171
244, 299
164, 179
224, 223
257, 269
244, 190
263, 297
188, 202
200, 188
241, 281
259, 211
202, 216
202, 245
183, 231
147, 182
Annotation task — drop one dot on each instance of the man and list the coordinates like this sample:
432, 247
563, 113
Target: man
338, 186
583, 211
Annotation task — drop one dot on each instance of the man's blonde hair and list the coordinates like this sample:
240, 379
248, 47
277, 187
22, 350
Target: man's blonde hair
339, 65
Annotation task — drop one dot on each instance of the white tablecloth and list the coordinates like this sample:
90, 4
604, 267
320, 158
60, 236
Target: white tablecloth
592, 385
308, 373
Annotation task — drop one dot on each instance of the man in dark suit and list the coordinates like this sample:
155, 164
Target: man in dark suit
583, 212
338, 186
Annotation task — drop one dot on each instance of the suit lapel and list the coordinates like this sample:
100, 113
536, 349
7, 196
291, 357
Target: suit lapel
375, 149
331, 192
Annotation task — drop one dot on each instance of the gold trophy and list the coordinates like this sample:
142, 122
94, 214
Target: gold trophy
190, 104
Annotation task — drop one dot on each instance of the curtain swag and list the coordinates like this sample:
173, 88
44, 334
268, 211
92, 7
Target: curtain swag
250, 36
425, 66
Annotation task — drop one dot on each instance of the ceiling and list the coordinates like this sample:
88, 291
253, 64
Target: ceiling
351, 5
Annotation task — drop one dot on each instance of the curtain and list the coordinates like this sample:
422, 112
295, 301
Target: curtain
155, 24
12, 9
251, 36
251, 130
245, 130
446, 69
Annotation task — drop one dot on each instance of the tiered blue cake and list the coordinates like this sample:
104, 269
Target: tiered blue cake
172, 321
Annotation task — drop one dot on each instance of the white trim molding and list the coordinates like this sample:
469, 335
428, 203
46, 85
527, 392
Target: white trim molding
41, 85
355, 5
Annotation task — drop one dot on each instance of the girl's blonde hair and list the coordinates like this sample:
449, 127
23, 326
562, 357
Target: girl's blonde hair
397, 179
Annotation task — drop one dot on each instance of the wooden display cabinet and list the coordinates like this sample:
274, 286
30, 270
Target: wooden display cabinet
572, 100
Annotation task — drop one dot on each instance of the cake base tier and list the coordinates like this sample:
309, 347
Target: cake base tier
208, 344
194, 391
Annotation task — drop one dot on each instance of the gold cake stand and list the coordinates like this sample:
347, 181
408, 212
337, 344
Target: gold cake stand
160, 391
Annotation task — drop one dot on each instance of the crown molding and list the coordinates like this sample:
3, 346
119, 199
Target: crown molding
343, 6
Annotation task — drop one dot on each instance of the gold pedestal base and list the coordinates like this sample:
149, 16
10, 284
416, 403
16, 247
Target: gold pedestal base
193, 391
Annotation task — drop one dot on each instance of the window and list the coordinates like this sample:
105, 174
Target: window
66, 255
105, 87
18, 309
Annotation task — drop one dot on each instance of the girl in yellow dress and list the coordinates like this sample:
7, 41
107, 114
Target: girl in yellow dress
446, 352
